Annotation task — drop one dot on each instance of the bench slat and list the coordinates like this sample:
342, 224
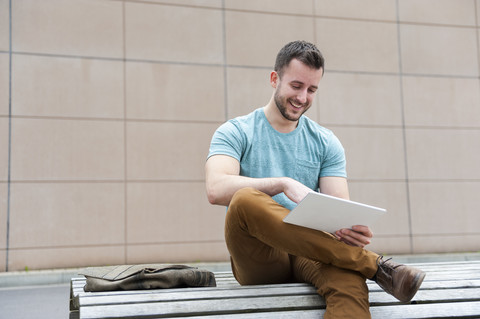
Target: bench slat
196, 307
441, 284
437, 310
461, 310
422, 296
180, 295
212, 304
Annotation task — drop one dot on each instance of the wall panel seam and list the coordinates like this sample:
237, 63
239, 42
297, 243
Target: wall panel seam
160, 121
186, 181
193, 241
9, 152
305, 15
404, 135
118, 245
20, 248
125, 145
104, 119
416, 180
225, 68
412, 127
102, 181
462, 234
429, 235
226, 65
168, 4
477, 38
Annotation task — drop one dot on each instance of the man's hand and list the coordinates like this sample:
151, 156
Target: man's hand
359, 235
295, 190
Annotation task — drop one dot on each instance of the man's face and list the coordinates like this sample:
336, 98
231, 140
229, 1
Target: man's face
296, 89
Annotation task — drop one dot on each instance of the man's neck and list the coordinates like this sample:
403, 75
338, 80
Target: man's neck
276, 119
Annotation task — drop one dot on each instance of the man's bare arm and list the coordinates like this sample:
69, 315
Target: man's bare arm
334, 186
358, 235
223, 180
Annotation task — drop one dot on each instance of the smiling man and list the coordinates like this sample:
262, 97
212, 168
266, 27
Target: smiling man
262, 164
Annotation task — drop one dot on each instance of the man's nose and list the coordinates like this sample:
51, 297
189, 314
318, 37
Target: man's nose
302, 97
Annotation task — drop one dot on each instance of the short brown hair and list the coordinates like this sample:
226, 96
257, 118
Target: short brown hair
303, 51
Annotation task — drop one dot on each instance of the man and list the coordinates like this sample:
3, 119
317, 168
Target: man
262, 164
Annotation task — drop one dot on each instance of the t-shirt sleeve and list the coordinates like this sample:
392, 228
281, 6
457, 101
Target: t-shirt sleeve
334, 162
227, 140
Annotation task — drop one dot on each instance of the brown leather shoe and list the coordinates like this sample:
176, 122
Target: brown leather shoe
399, 280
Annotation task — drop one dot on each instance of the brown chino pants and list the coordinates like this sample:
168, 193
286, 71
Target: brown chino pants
266, 250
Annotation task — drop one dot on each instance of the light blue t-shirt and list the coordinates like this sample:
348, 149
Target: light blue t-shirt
305, 154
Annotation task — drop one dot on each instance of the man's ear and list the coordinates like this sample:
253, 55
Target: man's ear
274, 78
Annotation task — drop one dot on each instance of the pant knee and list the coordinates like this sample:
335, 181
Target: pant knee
242, 196
244, 200
240, 204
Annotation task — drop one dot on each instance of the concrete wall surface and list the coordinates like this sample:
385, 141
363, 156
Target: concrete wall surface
107, 108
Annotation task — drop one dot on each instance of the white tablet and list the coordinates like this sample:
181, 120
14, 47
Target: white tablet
329, 213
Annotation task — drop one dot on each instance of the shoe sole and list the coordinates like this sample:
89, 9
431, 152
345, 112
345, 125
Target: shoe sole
416, 283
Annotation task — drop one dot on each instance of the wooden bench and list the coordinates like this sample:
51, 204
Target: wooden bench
450, 289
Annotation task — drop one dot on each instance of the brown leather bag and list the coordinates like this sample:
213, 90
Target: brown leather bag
149, 276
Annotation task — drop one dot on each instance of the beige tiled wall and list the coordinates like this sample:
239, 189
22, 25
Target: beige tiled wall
156, 91
4, 71
174, 34
354, 45
67, 87
4, 25
441, 50
105, 125
60, 28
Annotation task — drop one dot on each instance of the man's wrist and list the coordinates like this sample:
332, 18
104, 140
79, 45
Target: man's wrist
278, 185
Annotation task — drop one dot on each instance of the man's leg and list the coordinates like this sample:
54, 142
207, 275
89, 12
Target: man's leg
345, 291
255, 220
259, 241
253, 261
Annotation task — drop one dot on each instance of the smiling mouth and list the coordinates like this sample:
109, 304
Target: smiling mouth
295, 105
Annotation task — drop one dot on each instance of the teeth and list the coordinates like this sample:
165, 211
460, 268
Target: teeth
296, 105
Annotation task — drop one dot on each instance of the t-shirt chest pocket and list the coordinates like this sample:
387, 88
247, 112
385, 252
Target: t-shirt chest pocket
308, 172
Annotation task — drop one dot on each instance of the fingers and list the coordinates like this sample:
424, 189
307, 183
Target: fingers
296, 191
353, 241
364, 230
359, 236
